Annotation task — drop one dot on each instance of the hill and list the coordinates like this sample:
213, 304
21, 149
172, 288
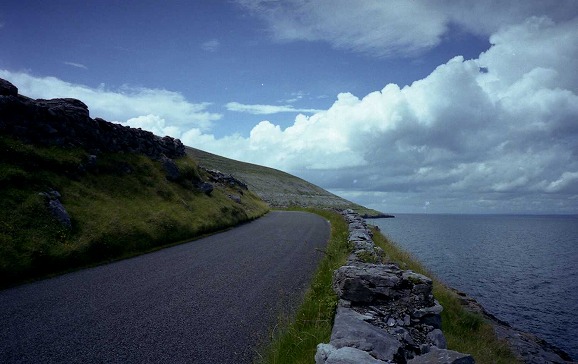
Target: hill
77, 191
277, 188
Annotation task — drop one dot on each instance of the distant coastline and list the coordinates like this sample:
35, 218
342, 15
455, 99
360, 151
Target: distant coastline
378, 216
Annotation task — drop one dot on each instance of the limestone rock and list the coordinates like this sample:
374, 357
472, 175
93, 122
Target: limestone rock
59, 212
329, 354
323, 352
68, 108
56, 208
437, 338
349, 355
442, 356
235, 198
225, 179
350, 330
365, 283
206, 188
359, 235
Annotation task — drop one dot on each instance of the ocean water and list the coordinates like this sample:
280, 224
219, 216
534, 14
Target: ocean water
521, 268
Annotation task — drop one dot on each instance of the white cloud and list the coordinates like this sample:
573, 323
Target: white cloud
394, 27
568, 180
121, 104
501, 139
212, 45
461, 138
266, 109
77, 65
296, 96
154, 124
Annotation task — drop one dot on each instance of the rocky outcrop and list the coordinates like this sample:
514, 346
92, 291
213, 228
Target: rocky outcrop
56, 208
66, 122
225, 179
527, 347
7, 89
385, 314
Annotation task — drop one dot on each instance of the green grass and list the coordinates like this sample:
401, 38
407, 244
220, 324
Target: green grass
125, 206
295, 339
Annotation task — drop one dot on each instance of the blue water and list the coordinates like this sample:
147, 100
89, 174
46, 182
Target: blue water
522, 269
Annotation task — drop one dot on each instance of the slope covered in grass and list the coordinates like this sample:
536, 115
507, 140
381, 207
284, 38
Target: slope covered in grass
120, 204
278, 188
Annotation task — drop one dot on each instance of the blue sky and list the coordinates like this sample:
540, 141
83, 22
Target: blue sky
404, 106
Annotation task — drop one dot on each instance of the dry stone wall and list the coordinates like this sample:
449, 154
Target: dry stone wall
385, 314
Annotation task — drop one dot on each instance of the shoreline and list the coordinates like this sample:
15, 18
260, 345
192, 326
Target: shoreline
528, 347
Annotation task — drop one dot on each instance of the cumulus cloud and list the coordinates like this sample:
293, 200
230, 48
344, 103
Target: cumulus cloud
121, 104
266, 109
474, 134
496, 133
154, 124
394, 27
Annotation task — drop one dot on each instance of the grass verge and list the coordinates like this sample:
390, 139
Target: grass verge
297, 338
296, 341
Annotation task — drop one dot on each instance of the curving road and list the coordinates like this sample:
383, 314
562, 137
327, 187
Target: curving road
213, 300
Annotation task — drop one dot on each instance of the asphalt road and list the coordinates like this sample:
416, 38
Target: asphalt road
213, 300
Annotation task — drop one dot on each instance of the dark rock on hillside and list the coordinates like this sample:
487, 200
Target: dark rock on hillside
7, 89
66, 122
235, 198
171, 169
206, 188
56, 208
225, 179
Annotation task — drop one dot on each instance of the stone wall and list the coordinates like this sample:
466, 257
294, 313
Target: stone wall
385, 314
66, 122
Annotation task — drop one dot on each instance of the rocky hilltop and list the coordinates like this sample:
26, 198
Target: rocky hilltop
65, 122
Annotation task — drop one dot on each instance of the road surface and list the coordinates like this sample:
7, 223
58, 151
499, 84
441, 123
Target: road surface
213, 300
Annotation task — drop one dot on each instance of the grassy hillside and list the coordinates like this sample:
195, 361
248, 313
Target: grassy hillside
120, 204
278, 188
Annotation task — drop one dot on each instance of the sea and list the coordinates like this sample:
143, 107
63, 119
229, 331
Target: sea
522, 268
